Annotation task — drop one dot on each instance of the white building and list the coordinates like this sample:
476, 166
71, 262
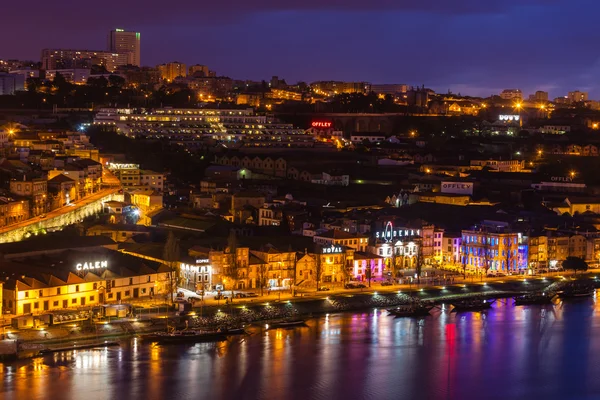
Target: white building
577, 96
451, 248
512, 94
555, 129
74, 75
371, 137
126, 44
11, 83
237, 128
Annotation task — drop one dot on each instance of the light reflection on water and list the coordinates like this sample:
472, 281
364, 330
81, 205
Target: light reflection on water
549, 352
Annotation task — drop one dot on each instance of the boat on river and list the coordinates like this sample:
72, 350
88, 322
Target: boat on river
473, 304
286, 323
576, 290
185, 336
410, 310
534, 298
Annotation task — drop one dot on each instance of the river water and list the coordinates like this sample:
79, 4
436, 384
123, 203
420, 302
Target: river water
533, 352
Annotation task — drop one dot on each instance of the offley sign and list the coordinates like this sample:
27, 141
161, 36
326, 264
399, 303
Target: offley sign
321, 124
91, 265
561, 179
390, 233
457, 187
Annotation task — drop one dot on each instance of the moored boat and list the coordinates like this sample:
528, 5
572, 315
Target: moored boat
288, 323
534, 298
410, 310
577, 289
186, 336
477, 304
235, 331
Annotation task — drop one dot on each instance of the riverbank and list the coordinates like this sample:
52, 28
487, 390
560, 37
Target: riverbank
257, 312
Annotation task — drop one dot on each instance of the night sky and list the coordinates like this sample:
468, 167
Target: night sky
476, 47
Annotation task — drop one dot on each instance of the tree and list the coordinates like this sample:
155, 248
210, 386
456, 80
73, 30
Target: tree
508, 254
294, 260
345, 269
232, 270
394, 264
318, 265
100, 82
98, 69
116, 81
171, 258
262, 276
369, 272
575, 264
419, 263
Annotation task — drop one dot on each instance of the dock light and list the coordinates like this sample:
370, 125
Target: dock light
374, 293
267, 304
443, 287
218, 311
327, 298
399, 291
421, 290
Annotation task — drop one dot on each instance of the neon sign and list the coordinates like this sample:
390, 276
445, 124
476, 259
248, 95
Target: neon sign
509, 117
389, 233
333, 250
321, 124
91, 265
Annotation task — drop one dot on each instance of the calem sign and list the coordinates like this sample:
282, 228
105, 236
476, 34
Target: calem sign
91, 265
321, 124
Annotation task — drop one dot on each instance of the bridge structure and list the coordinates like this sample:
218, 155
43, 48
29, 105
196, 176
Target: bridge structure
59, 218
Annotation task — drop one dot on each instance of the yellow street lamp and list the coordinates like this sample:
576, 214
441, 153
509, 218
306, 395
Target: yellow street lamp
572, 173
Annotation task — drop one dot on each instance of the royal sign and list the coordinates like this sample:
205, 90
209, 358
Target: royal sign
333, 250
91, 265
390, 233
321, 124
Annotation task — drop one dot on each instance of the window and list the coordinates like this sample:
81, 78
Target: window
73, 301
143, 290
36, 305
131, 281
57, 291
110, 295
77, 288
55, 304
41, 293
148, 278
127, 293
92, 298
95, 286
26, 294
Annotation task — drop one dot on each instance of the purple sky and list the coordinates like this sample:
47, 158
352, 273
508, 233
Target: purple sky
476, 47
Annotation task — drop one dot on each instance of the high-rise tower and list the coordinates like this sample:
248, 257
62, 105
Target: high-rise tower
126, 44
